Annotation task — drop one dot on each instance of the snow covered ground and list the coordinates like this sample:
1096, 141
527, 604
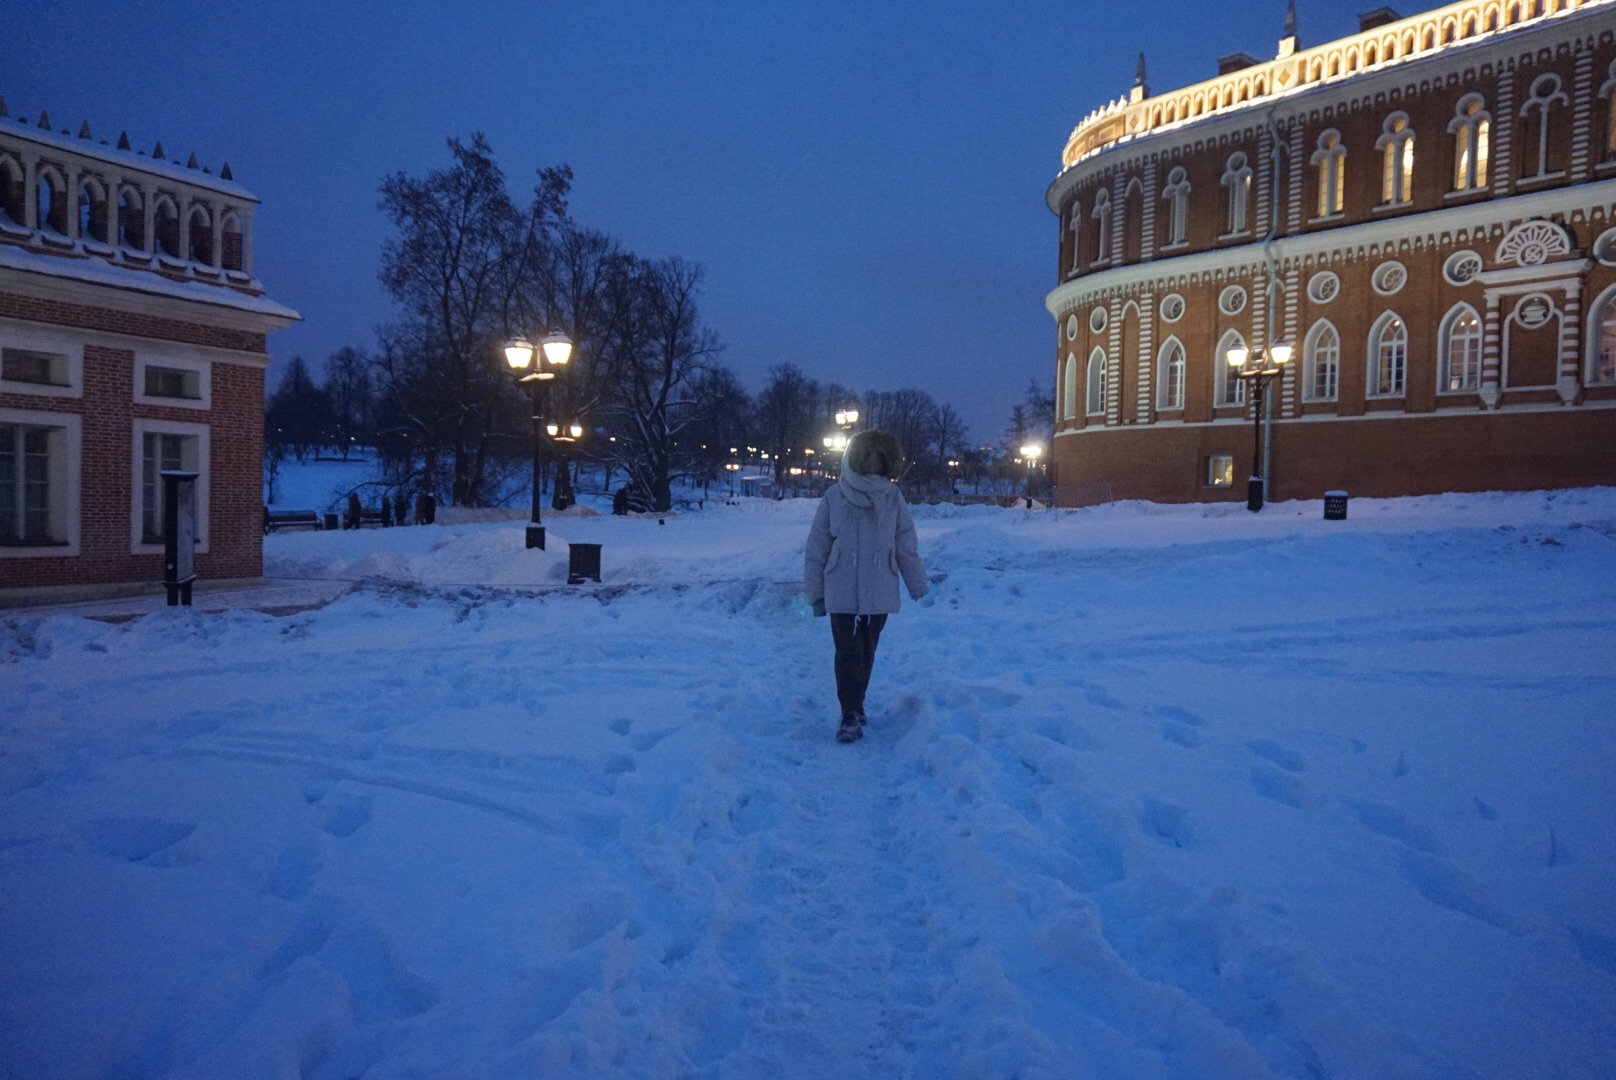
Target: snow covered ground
1148, 792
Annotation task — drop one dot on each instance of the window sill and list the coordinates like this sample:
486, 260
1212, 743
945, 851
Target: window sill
1470, 391
1243, 234
16, 545
1539, 179
163, 399
1177, 245
1328, 219
1458, 194
1392, 207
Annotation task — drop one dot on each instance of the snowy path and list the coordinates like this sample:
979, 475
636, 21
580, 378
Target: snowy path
1294, 803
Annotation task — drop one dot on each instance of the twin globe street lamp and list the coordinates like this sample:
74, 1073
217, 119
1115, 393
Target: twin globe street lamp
528, 365
1259, 367
1030, 453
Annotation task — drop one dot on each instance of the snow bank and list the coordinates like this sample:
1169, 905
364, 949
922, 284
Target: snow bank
1148, 792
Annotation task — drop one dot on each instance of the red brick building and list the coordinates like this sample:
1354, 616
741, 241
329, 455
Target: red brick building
132, 340
1425, 211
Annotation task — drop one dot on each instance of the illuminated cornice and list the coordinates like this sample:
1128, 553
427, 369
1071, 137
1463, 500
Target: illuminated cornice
1440, 30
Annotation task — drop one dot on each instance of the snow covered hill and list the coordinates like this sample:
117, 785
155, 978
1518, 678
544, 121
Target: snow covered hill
1149, 792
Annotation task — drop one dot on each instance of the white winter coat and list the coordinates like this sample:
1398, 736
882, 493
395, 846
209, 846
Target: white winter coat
861, 541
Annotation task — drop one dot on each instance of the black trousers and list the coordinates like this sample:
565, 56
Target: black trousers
856, 637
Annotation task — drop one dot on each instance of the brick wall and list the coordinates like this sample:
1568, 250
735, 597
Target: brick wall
108, 410
124, 322
1519, 451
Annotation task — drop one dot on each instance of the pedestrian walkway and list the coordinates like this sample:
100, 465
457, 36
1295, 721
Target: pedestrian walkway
273, 596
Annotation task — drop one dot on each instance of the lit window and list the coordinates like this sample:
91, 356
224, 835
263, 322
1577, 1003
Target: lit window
1608, 92
162, 452
1170, 381
33, 486
1177, 196
1460, 355
1322, 356
1237, 185
1331, 161
1231, 389
1602, 358
1470, 127
1220, 471
1102, 232
1396, 145
1096, 383
32, 366
1388, 352
1546, 94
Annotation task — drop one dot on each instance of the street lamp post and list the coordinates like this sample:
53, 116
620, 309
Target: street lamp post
1031, 453
1258, 367
527, 365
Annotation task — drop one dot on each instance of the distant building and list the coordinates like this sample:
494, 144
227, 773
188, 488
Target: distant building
131, 340
1440, 192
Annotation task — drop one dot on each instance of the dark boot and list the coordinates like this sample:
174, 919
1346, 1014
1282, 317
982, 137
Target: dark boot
850, 731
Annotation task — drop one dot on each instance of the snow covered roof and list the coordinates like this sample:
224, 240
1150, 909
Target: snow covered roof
99, 272
124, 159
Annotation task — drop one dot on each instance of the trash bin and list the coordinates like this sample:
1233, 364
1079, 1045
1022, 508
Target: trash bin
330, 522
1335, 506
583, 561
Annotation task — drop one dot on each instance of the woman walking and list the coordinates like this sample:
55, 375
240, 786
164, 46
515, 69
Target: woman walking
862, 540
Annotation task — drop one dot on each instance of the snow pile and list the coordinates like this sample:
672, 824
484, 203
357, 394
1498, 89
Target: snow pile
1148, 792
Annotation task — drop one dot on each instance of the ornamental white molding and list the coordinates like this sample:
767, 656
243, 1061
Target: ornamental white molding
1574, 27
1480, 224
1533, 243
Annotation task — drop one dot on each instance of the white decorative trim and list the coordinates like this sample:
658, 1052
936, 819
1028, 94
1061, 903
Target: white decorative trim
1172, 308
1389, 278
40, 337
1462, 267
70, 474
204, 481
1232, 300
204, 381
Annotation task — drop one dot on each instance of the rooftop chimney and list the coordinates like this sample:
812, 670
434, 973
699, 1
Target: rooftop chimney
1235, 62
1379, 17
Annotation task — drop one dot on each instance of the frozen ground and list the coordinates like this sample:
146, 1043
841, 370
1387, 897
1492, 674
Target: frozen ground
1149, 792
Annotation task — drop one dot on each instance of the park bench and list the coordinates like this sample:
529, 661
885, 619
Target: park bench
275, 520
371, 517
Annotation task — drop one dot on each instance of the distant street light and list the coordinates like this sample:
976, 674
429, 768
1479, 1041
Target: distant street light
732, 468
1259, 368
1031, 452
846, 418
526, 363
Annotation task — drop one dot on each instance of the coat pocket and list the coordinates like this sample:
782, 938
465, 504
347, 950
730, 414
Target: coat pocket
835, 556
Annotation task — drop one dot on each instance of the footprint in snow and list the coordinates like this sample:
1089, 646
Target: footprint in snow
134, 839
345, 816
1282, 787
1269, 750
1167, 823
1393, 824
1182, 735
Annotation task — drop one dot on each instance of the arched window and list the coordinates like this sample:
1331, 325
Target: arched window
92, 210
1602, 341
1069, 388
1545, 95
1331, 161
131, 220
1608, 92
1470, 127
1396, 146
13, 199
199, 236
166, 224
1230, 388
1074, 225
50, 191
1388, 356
231, 239
1102, 215
1170, 375
1237, 185
1177, 196
1459, 351
1321, 359
1096, 383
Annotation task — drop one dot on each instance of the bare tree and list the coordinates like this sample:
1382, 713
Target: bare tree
786, 416
348, 388
458, 264
655, 348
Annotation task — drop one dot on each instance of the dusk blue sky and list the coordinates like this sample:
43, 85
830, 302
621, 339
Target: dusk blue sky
863, 182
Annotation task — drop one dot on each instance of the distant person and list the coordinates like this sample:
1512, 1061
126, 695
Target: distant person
351, 518
862, 540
